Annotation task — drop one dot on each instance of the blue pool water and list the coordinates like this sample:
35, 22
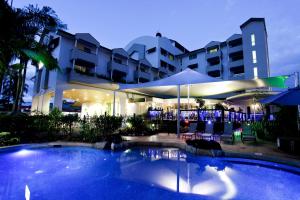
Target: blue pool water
72, 173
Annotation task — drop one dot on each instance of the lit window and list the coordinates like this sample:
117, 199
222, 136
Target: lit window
254, 57
252, 39
171, 57
213, 50
255, 73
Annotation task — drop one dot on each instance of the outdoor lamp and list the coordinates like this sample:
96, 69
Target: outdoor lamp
41, 65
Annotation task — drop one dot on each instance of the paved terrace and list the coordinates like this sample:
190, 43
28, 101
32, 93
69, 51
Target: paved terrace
261, 150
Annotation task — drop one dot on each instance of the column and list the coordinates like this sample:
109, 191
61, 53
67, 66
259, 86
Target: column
58, 98
114, 104
45, 103
178, 111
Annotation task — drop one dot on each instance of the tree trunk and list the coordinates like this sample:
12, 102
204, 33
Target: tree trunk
19, 87
1, 82
22, 84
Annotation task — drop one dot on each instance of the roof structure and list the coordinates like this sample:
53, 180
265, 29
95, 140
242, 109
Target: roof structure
199, 85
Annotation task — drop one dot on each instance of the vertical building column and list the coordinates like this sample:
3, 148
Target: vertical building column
34, 104
123, 105
114, 103
45, 103
178, 111
58, 97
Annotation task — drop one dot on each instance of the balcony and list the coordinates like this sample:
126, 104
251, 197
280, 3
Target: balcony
235, 49
240, 76
216, 73
236, 63
211, 68
163, 70
114, 66
213, 55
82, 55
75, 76
142, 75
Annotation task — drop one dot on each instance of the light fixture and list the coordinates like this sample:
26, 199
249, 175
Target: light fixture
41, 64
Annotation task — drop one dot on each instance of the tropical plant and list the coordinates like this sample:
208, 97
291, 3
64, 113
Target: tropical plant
200, 101
21, 28
55, 120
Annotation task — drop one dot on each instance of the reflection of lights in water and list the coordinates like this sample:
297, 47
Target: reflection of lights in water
23, 153
230, 187
39, 172
208, 187
127, 150
27, 193
219, 182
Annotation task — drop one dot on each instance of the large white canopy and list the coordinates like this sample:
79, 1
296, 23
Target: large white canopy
199, 85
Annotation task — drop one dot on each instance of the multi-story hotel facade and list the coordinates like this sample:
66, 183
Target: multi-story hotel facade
90, 73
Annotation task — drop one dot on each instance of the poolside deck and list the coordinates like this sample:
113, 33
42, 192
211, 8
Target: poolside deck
260, 150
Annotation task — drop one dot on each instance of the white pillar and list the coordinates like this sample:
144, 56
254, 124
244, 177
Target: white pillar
45, 103
188, 94
114, 104
178, 111
297, 79
297, 84
58, 98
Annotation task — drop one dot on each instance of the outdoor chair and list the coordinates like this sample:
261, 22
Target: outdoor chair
209, 130
228, 135
191, 132
247, 134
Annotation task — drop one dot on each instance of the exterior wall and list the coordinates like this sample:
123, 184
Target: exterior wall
261, 48
60, 81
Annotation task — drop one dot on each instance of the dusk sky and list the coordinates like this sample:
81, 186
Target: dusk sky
193, 23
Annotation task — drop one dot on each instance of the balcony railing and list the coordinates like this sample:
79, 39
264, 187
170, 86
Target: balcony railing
216, 67
141, 74
236, 63
114, 66
163, 70
235, 49
82, 55
213, 55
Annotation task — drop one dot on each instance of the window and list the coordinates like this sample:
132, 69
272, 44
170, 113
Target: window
255, 73
117, 60
152, 50
85, 49
214, 50
163, 52
172, 68
163, 64
252, 39
192, 56
171, 57
254, 57
193, 66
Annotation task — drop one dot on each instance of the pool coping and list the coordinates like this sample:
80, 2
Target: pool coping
182, 146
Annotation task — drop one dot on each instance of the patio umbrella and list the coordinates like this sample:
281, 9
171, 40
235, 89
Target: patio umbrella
291, 97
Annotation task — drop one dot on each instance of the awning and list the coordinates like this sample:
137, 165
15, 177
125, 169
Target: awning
200, 85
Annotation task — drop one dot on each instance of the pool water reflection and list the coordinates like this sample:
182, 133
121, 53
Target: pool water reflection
141, 173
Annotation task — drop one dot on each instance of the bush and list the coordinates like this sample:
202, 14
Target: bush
204, 144
7, 138
136, 125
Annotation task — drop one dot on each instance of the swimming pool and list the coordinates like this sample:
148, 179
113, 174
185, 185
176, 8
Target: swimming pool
140, 173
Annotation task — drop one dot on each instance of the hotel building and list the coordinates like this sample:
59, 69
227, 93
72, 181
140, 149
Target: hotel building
90, 73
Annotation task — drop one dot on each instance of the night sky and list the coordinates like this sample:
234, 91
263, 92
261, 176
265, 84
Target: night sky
193, 23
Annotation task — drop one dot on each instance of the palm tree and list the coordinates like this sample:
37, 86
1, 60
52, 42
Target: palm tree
22, 27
